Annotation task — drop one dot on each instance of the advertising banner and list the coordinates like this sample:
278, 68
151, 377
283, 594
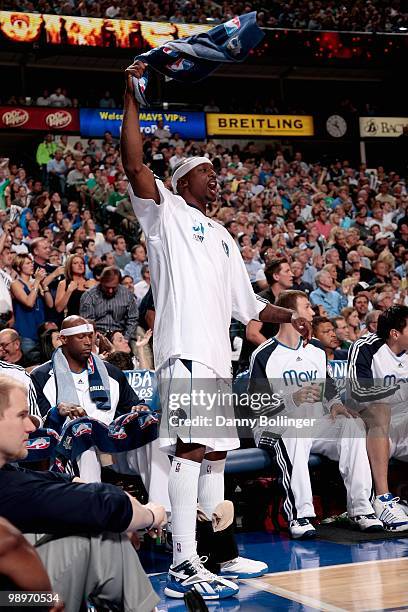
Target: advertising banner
32, 118
259, 125
144, 384
94, 122
92, 32
382, 127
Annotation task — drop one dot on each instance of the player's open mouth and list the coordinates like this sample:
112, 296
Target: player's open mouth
212, 185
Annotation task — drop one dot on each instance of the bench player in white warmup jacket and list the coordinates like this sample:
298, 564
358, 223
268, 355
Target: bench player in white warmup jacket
299, 375
199, 281
378, 376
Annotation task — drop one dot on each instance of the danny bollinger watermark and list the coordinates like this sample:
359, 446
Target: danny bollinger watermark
214, 408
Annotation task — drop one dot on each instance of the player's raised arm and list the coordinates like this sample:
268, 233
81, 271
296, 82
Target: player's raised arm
140, 176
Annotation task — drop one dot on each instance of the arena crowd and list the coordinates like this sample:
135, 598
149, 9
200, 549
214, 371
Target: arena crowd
73, 257
351, 15
341, 230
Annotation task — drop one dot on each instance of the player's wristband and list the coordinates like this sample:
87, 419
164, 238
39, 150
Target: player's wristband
154, 518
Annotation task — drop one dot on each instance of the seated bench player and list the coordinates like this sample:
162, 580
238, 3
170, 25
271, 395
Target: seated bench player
79, 530
378, 374
304, 391
76, 382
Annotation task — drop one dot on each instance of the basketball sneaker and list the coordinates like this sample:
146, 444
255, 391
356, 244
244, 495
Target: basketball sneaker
192, 575
243, 568
302, 529
367, 522
390, 512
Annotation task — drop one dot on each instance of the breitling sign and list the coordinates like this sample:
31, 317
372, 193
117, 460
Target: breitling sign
382, 127
259, 125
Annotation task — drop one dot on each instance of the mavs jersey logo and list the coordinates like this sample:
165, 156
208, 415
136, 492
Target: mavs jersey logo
180, 64
291, 377
225, 247
232, 25
199, 232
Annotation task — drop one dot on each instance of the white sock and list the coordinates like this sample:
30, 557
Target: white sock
183, 490
211, 485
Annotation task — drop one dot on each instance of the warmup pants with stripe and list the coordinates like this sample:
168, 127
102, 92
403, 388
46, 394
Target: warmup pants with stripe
399, 437
342, 440
104, 569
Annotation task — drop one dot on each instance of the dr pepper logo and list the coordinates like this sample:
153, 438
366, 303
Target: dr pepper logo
58, 119
15, 117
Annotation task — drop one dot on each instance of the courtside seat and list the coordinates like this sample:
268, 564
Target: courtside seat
246, 460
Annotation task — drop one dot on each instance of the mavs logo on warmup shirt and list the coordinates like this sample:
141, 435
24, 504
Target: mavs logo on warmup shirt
199, 229
292, 377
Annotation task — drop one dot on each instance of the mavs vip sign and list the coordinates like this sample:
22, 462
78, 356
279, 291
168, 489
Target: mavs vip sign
95, 122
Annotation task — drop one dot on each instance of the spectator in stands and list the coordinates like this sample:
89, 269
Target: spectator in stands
57, 169
96, 565
383, 301
298, 269
110, 305
326, 295
44, 99
30, 295
134, 267
342, 332
58, 99
322, 225
45, 152
279, 277
372, 321
73, 286
161, 133
143, 286
350, 315
107, 101
120, 253
361, 273
49, 341
252, 264
11, 350
361, 303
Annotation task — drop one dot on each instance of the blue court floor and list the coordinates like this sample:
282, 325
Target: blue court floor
281, 554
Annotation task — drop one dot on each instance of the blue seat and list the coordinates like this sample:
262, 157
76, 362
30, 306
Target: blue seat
245, 460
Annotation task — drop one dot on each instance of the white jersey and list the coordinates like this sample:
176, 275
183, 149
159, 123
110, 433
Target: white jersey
377, 375
18, 373
278, 371
199, 282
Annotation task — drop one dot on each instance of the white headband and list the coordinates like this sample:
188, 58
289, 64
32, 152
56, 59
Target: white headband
185, 167
85, 328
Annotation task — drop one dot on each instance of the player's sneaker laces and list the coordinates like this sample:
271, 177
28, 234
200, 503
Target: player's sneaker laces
243, 568
192, 575
390, 513
301, 528
367, 522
